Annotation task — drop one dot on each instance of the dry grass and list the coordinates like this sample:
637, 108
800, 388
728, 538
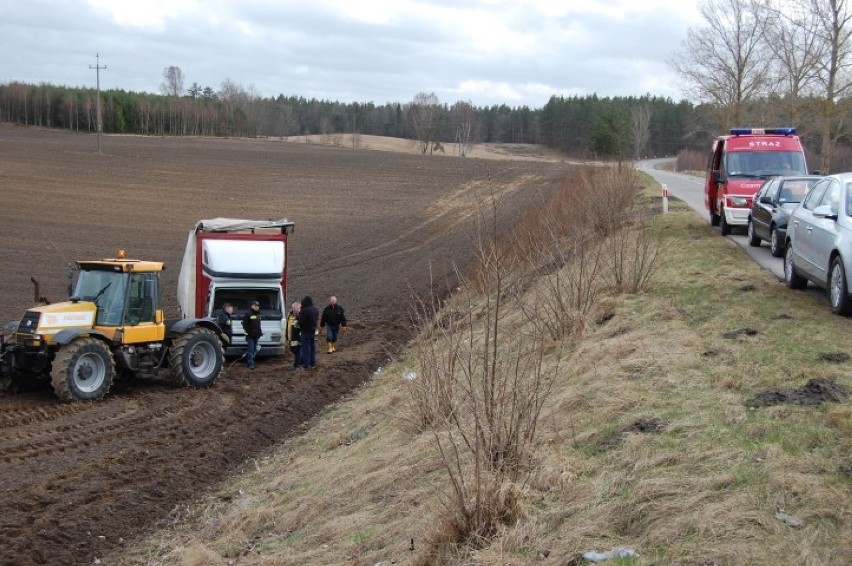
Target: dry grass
702, 488
514, 152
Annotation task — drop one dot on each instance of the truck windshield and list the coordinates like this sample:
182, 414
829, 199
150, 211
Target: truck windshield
764, 163
240, 299
107, 289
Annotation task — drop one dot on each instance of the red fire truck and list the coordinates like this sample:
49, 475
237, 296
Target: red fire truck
740, 162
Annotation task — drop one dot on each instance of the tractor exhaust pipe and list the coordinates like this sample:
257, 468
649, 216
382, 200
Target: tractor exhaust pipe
38, 298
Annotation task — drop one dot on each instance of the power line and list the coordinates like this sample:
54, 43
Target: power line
97, 69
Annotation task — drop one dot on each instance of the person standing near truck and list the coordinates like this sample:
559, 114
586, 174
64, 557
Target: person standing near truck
224, 321
308, 321
293, 331
333, 321
251, 324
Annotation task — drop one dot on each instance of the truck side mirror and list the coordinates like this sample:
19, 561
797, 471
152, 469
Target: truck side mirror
765, 200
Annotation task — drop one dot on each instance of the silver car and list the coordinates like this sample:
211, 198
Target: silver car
819, 241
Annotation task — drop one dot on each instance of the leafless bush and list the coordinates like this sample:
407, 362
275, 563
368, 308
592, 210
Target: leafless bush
632, 257
690, 160
480, 387
486, 359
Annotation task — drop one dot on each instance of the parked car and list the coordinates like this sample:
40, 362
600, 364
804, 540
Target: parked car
819, 241
771, 209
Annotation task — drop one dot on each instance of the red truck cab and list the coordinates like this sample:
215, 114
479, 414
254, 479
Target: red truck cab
740, 163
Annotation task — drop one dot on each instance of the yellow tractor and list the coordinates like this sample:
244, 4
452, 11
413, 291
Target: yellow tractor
112, 323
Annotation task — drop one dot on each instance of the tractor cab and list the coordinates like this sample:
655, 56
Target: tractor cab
126, 294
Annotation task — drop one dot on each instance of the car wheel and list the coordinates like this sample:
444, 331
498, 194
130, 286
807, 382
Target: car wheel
791, 278
776, 247
723, 223
837, 289
753, 239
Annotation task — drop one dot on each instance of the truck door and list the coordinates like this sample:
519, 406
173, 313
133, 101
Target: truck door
715, 176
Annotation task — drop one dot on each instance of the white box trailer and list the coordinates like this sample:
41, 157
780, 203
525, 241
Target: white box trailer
237, 261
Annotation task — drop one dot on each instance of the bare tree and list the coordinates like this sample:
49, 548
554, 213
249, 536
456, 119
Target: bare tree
792, 35
640, 128
725, 62
423, 116
172, 84
835, 79
462, 116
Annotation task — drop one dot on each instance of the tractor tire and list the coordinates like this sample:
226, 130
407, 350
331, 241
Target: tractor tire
196, 358
83, 370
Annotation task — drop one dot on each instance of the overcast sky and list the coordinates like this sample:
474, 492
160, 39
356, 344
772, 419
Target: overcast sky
517, 52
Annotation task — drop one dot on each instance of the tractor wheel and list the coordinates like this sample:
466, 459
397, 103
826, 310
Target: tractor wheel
82, 370
196, 358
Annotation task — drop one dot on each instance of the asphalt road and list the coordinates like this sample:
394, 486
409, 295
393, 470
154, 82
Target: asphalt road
691, 190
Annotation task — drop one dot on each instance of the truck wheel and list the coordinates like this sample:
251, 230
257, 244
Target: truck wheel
714, 219
776, 247
753, 239
791, 278
196, 358
84, 369
838, 291
723, 223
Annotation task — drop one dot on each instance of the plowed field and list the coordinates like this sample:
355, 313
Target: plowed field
78, 480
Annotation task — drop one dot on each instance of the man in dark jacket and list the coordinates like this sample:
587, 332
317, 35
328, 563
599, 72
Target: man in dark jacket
333, 320
251, 324
308, 320
224, 321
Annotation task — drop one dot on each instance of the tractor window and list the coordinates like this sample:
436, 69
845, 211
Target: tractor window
142, 298
107, 290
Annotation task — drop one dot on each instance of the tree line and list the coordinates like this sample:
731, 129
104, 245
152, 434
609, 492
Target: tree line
580, 126
750, 63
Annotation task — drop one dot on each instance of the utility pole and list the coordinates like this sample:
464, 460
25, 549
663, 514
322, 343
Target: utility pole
97, 69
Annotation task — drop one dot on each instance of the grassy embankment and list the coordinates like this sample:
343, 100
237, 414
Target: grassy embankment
645, 441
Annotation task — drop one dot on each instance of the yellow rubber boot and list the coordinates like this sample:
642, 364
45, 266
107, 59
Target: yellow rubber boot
330, 347
334, 346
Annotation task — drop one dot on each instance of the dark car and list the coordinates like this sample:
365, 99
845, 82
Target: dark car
771, 209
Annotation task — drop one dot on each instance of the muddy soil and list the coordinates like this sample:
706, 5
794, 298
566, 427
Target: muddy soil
80, 480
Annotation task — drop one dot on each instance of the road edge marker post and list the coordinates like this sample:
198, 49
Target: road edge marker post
665, 199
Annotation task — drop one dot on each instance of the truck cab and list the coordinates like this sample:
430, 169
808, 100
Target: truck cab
238, 261
739, 164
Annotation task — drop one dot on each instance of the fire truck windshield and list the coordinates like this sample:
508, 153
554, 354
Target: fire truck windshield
764, 163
